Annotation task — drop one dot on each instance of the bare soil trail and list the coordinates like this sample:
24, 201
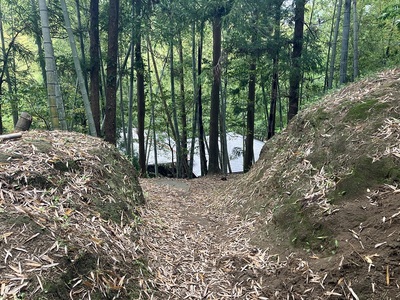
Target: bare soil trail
197, 251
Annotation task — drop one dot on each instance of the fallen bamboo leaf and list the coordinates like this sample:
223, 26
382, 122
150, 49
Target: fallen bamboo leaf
31, 238
50, 265
387, 275
379, 244
5, 236
40, 283
332, 293
368, 259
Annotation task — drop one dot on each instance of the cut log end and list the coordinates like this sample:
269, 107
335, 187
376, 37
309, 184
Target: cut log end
24, 122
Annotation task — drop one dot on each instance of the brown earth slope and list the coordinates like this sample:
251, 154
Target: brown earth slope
67, 219
318, 217
327, 189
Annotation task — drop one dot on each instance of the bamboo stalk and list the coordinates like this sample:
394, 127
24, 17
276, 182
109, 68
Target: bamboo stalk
10, 136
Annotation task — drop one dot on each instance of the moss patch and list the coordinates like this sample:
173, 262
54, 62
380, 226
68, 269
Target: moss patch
302, 228
66, 166
319, 117
40, 145
78, 268
363, 110
367, 174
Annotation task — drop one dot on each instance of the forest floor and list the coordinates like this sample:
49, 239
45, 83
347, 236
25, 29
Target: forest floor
197, 249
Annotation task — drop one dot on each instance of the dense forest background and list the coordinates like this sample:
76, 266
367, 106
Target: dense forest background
189, 69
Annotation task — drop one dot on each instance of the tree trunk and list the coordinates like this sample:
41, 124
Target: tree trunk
355, 41
328, 57
275, 71
81, 43
295, 72
334, 44
78, 69
175, 115
56, 105
121, 102
265, 102
195, 106
183, 114
224, 143
167, 112
153, 123
6, 72
24, 122
129, 146
249, 144
110, 126
141, 105
274, 98
345, 42
38, 40
213, 166
202, 148
95, 64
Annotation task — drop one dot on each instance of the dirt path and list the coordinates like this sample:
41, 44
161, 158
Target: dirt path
195, 250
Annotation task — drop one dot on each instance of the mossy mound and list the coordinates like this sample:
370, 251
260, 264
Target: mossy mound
68, 217
338, 150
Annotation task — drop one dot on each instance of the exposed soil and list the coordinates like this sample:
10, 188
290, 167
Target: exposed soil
318, 216
196, 250
67, 219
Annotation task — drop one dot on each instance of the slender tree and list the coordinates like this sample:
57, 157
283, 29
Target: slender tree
5, 70
275, 69
334, 44
56, 105
38, 39
345, 42
202, 148
223, 139
195, 107
174, 112
328, 56
78, 69
355, 40
95, 64
129, 146
251, 98
81, 42
295, 72
160, 87
249, 148
141, 104
182, 112
110, 126
213, 166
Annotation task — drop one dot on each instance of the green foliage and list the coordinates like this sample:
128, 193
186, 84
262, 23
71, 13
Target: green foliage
249, 30
391, 13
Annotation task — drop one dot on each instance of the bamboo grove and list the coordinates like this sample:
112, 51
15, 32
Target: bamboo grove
191, 70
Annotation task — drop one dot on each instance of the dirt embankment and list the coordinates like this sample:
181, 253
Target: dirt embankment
318, 217
67, 219
327, 189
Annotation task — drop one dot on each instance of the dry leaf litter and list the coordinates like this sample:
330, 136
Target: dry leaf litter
202, 239
58, 238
